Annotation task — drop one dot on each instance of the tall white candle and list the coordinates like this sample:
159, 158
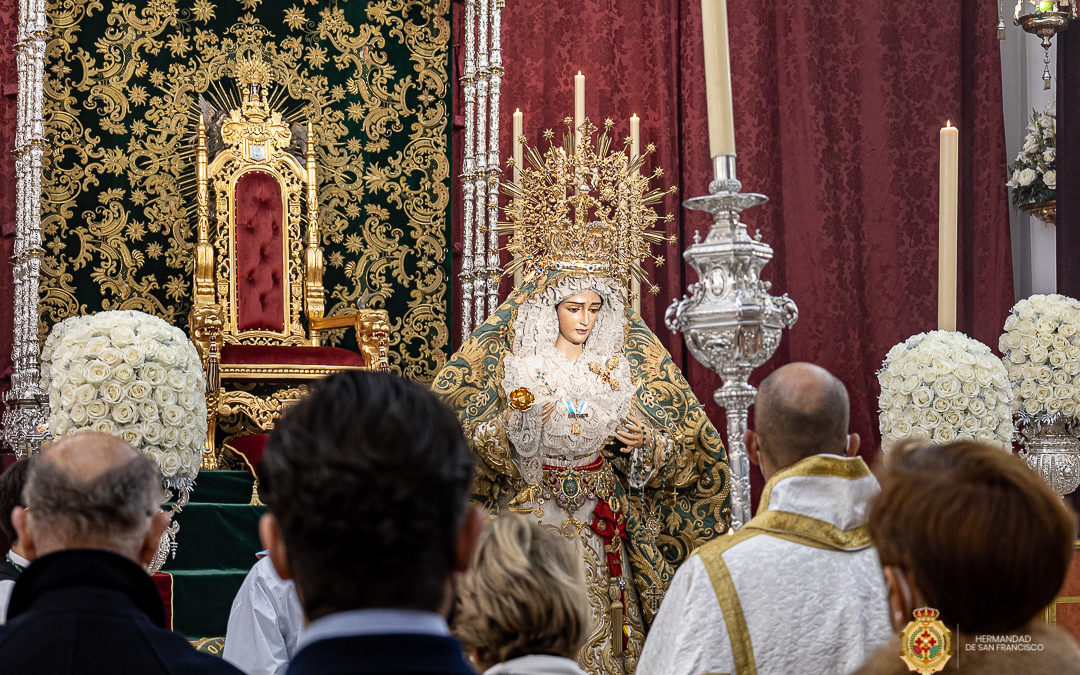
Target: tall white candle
519, 130
635, 136
718, 77
947, 198
579, 104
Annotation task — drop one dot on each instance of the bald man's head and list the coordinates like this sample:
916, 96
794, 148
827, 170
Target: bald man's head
91, 490
801, 410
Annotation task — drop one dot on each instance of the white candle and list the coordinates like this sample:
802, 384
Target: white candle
519, 130
579, 104
635, 150
718, 77
947, 197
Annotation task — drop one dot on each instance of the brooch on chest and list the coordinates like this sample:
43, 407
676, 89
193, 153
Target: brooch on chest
576, 415
605, 373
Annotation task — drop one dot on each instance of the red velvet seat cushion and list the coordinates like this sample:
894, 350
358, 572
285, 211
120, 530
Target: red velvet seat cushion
291, 356
251, 447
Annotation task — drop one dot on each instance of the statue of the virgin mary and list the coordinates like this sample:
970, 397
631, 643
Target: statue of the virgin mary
575, 409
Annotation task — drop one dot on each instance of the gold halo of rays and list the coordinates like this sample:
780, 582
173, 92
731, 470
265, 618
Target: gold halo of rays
584, 208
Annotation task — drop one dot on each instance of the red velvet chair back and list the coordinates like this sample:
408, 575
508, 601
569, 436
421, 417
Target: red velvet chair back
260, 253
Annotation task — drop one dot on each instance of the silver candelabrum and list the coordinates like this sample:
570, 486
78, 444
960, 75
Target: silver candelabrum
729, 320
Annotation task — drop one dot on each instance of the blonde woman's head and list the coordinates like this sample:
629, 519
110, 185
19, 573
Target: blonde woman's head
523, 594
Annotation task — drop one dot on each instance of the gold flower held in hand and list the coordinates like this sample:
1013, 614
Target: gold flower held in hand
522, 399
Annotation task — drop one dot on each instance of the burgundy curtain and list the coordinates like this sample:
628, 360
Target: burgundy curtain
837, 110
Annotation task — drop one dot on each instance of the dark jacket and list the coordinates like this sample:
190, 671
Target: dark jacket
8, 570
414, 654
85, 611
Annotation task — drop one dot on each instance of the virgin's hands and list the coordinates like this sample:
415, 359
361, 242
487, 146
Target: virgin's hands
633, 433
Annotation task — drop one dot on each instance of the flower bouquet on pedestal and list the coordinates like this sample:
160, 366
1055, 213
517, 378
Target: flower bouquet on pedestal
1033, 174
134, 376
943, 386
1042, 357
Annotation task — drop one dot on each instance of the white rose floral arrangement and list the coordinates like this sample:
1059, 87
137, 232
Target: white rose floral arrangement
1041, 344
943, 386
1033, 174
132, 375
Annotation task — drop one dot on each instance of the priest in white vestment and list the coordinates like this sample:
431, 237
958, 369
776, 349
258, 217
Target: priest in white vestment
799, 588
264, 622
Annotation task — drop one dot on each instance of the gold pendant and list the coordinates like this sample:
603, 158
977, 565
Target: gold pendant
575, 428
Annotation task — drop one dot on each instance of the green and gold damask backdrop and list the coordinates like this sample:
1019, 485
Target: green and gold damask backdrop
122, 101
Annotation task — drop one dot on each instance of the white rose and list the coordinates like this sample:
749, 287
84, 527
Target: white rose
79, 416
124, 412
1039, 354
1050, 178
170, 436
944, 434
922, 397
112, 392
1060, 377
1044, 375
123, 373
190, 460
909, 369
154, 374
155, 455
76, 373
188, 400
1026, 177
929, 419
94, 346
947, 387
969, 424
177, 381
166, 357
60, 425
1052, 405
151, 432
970, 388
97, 372
1032, 406
170, 463
1067, 330
1057, 359
67, 398
187, 437
941, 404
133, 356
85, 393
172, 415
923, 357
164, 396
105, 426
122, 335
138, 391
1010, 322
110, 356
952, 418
148, 410
97, 409
132, 434
977, 407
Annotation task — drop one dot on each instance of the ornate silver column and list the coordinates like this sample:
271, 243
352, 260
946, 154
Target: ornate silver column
729, 321
481, 80
26, 405
468, 171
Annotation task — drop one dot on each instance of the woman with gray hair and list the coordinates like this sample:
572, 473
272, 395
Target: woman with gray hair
522, 607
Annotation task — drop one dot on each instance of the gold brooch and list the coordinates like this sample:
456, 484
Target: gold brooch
521, 399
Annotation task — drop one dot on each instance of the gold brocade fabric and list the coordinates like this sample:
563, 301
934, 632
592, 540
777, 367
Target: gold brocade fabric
122, 88
692, 500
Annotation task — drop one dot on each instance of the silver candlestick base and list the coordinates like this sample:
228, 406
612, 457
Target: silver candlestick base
728, 319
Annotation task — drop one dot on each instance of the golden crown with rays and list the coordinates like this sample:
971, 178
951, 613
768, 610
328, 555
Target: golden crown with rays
584, 208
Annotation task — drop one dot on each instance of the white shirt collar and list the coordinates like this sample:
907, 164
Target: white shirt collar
18, 559
373, 622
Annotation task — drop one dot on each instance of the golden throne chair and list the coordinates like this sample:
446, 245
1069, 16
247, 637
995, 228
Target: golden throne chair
258, 307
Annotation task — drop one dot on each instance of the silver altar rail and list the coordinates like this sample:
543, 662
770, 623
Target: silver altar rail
27, 406
481, 80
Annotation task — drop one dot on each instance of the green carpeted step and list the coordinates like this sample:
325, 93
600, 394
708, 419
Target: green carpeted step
222, 487
202, 598
216, 537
